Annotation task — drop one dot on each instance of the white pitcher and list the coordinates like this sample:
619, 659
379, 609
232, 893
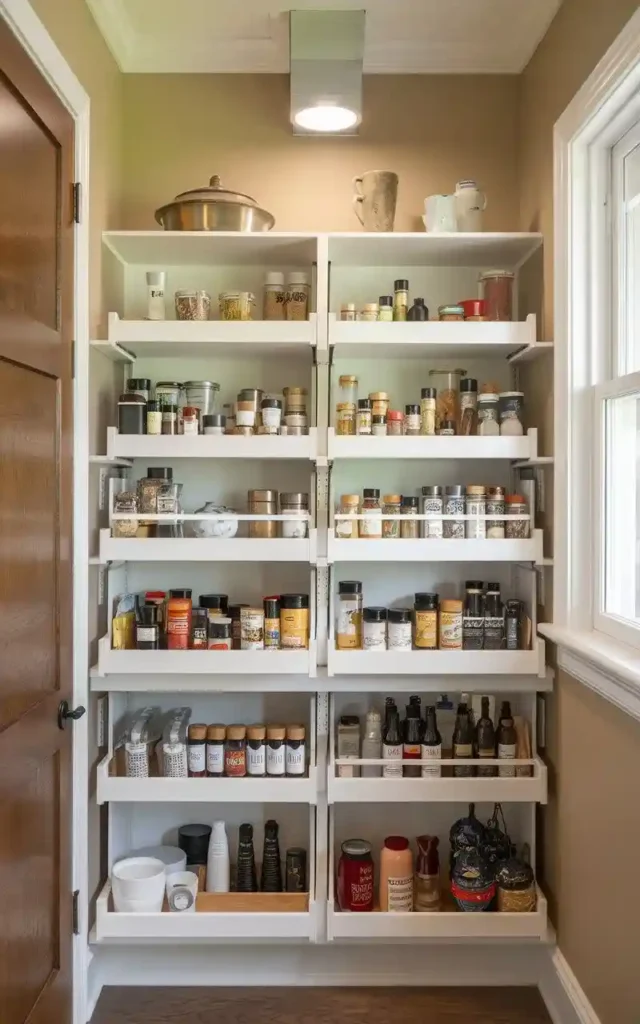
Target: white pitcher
470, 205
440, 213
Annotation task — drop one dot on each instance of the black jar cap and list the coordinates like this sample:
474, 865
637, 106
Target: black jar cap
294, 601
371, 492
399, 614
131, 398
409, 501
364, 403
401, 285
219, 628
385, 300
214, 419
160, 473
468, 384
409, 409
147, 614
214, 601
181, 592
138, 383
473, 584
350, 587
426, 602
373, 614
428, 393
271, 607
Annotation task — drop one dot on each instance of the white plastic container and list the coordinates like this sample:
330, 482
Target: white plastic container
182, 889
138, 885
218, 871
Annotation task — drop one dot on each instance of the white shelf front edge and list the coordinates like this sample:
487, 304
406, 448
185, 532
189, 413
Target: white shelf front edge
223, 663
434, 550
207, 446
429, 663
191, 337
457, 339
459, 447
197, 549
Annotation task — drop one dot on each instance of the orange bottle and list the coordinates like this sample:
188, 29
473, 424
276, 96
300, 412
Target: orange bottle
396, 875
178, 620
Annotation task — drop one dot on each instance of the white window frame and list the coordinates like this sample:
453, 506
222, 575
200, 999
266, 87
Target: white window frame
605, 108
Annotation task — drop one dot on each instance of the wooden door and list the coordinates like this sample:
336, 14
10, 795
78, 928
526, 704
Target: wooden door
36, 296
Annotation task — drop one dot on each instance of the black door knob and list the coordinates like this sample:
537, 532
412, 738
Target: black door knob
65, 712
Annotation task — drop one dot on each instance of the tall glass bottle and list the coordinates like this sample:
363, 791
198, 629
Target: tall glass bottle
485, 740
372, 744
412, 739
431, 744
392, 743
507, 740
246, 878
462, 742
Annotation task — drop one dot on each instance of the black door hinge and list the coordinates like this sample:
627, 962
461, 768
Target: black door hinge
76, 202
74, 912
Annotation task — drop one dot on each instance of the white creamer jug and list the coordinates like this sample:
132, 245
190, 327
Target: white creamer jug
470, 205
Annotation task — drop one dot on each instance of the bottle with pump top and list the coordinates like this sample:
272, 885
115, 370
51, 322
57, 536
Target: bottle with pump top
412, 739
392, 742
462, 742
431, 745
246, 878
507, 740
485, 740
271, 873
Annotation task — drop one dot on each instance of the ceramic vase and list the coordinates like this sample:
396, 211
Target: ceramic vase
374, 199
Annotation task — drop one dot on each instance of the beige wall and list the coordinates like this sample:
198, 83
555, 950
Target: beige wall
592, 824
432, 130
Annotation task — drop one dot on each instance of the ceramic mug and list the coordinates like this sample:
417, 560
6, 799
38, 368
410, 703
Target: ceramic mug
470, 205
440, 214
374, 199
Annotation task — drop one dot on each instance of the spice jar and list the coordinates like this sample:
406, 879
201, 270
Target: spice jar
516, 529
214, 424
347, 529
348, 389
170, 419
256, 751
371, 526
190, 420
147, 628
450, 313
273, 307
468, 406
385, 308
216, 736
199, 629
346, 419
488, 404
294, 621
271, 623
245, 414
355, 876
156, 281
451, 625
298, 503
412, 420
216, 604
409, 528
349, 746
197, 751
474, 309
400, 299
426, 622
374, 629
271, 411
263, 503
454, 505
363, 416
431, 504
148, 487
139, 386
495, 507
297, 296
447, 428
192, 305
379, 403
168, 392
132, 414
251, 629
473, 617
235, 611
349, 616
378, 426
399, 629
178, 619
276, 735
428, 412
395, 422
295, 753
476, 505
391, 507
125, 502
236, 305
219, 632
154, 418
348, 312
447, 385
295, 401
510, 408
235, 752
369, 312
497, 287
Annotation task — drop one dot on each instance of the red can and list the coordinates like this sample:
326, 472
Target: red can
474, 309
355, 876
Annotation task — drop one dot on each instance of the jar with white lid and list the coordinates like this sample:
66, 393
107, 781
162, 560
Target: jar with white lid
274, 296
297, 296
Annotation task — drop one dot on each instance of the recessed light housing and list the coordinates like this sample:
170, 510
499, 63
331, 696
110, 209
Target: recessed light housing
326, 49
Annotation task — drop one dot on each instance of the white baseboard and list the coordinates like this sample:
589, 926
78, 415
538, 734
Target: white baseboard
564, 998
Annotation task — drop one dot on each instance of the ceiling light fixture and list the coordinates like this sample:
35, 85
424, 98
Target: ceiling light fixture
327, 49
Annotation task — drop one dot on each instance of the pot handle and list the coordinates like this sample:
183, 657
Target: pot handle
357, 199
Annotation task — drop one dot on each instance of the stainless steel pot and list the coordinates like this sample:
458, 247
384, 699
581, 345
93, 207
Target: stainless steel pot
214, 209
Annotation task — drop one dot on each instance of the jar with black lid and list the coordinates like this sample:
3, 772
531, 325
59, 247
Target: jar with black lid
513, 624
154, 418
271, 623
139, 386
374, 629
426, 622
234, 612
256, 750
412, 420
170, 419
132, 414
199, 624
276, 735
147, 628
409, 526
294, 621
399, 629
296, 870
473, 616
295, 752
219, 633
215, 602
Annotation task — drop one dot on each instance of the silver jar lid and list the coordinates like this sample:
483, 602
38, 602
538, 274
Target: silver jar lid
455, 491
263, 495
434, 491
203, 384
295, 498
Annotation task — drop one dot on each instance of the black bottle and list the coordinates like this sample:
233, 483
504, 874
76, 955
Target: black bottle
507, 740
246, 878
512, 625
462, 742
147, 627
418, 311
271, 874
493, 619
412, 739
431, 744
486, 740
392, 742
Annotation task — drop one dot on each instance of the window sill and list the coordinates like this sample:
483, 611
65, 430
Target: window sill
606, 666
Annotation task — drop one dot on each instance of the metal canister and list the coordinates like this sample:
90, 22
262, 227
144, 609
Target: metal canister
254, 396
297, 503
202, 394
263, 503
431, 504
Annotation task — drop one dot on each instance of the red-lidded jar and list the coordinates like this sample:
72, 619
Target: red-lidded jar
355, 876
395, 422
474, 309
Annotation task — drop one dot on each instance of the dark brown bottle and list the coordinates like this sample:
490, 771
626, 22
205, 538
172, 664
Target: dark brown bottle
462, 742
271, 874
412, 739
486, 740
507, 740
246, 878
418, 311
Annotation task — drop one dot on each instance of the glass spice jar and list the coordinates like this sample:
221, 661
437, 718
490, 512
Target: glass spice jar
412, 420
294, 621
497, 288
170, 419
391, 507
447, 429
409, 527
363, 416
348, 389
297, 296
431, 504
199, 626
379, 426
450, 633
495, 507
295, 750
216, 736
349, 616
154, 418
395, 423
450, 313
428, 412
276, 735
256, 751
369, 312
273, 306
345, 419
374, 629
235, 752
348, 312
251, 629
468, 406
371, 526
447, 385
399, 629
190, 420
516, 529
454, 505
355, 876
385, 308
379, 403
271, 623
400, 299
476, 505
426, 622
197, 751
347, 529
488, 406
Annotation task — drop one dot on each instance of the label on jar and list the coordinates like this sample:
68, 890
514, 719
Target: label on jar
431, 753
493, 633
137, 760
463, 750
347, 528
472, 632
197, 758
256, 759
190, 426
215, 758
433, 527
428, 417
363, 421
400, 894
372, 525
235, 763
252, 632
495, 528
295, 759
508, 752
294, 628
392, 752
271, 634
146, 634
375, 636
450, 631
476, 529
349, 623
412, 422
275, 759
399, 636
427, 630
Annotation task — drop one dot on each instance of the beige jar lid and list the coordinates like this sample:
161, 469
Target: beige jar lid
347, 378
346, 407
217, 732
296, 732
379, 396
391, 499
249, 610
197, 731
236, 732
451, 606
276, 732
350, 499
256, 732
476, 489
294, 391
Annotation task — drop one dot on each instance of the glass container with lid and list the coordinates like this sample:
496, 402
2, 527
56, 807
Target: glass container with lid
349, 616
391, 507
203, 394
409, 528
355, 876
168, 392
431, 503
497, 286
447, 385
371, 527
347, 529
454, 505
348, 391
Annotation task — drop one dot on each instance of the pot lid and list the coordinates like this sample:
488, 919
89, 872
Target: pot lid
215, 192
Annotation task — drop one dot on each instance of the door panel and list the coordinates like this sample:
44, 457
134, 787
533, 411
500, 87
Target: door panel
36, 609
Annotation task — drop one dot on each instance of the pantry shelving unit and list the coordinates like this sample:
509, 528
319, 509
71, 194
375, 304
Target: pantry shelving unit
322, 809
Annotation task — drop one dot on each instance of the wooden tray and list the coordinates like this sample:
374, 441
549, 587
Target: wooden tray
252, 902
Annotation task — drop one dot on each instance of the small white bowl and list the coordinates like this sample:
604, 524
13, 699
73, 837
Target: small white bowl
138, 879
173, 858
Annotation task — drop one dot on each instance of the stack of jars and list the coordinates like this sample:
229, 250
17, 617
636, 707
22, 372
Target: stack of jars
257, 413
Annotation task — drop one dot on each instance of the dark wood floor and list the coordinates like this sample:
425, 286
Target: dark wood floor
320, 1006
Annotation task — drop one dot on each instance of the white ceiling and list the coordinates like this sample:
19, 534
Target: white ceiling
402, 36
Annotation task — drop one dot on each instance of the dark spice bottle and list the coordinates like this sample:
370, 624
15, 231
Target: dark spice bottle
412, 739
197, 751
234, 615
147, 628
418, 311
271, 873
296, 870
392, 745
507, 740
512, 625
486, 740
462, 742
493, 619
216, 736
235, 752
199, 623
473, 617
246, 877
132, 414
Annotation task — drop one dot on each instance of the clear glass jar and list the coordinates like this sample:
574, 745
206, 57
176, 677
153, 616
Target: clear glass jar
378, 426
516, 529
345, 419
192, 305
454, 505
379, 403
273, 306
450, 313
348, 390
511, 407
495, 507
476, 505
374, 629
148, 487
203, 394
395, 423
370, 312
297, 296
488, 425
428, 412
497, 288
391, 507
450, 632
348, 312
347, 529
385, 308
364, 417
349, 616
371, 527
412, 420
399, 629
168, 392
297, 504
409, 527
236, 305
431, 503
190, 420
447, 385
468, 406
